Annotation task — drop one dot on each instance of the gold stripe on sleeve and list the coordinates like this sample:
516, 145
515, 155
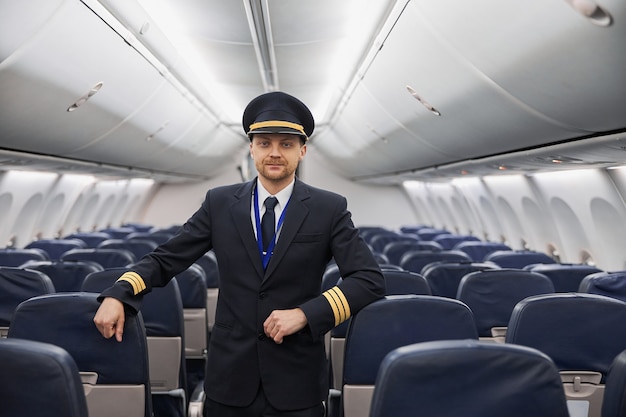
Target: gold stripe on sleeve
338, 303
135, 280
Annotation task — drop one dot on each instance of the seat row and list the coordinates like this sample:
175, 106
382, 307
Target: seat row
176, 319
575, 334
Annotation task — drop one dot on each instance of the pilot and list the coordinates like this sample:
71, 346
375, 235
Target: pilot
273, 238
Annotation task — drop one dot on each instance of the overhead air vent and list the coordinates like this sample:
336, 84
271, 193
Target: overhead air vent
85, 97
592, 11
426, 104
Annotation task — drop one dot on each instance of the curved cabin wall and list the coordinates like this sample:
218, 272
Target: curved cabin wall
572, 214
576, 215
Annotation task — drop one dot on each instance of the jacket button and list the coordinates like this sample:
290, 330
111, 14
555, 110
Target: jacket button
261, 336
262, 295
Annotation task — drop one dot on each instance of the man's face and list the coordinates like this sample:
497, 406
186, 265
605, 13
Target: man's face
276, 155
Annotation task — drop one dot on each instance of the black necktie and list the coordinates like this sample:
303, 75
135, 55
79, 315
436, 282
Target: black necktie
268, 224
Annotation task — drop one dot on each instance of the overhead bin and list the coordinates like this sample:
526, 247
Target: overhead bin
549, 56
79, 90
445, 88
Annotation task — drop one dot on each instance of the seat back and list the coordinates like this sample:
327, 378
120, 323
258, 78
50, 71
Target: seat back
115, 373
614, 401
387, 324
138, 247
581, 333
397, 282
444, 277
67, 276
192, 286
479, 250
449, 241
415, 261
163, 318
39, 379
429, 233
56, 247
379, 241
156, 237
394, 251
16, 257
91, 239
468, 378
565, 277
493, 294
17, 285
208, 263
610, 284
118, 232
107, 258
518, 258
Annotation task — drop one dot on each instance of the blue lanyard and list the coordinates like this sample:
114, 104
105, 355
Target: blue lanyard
265, 256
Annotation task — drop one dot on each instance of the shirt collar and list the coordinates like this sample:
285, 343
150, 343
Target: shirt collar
282, 196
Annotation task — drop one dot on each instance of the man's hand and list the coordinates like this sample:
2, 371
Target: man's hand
281, 323
109, 318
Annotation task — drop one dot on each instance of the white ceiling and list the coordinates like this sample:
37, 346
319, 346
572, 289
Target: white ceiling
513, 83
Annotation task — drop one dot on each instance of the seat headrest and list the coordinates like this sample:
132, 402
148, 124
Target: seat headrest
66, 320
17, 285
468, 378
39, 379
396, 321
578, 331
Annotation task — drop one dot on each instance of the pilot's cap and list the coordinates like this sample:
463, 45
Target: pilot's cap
278, 112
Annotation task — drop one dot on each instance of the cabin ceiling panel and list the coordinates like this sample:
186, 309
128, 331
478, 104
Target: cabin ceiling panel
545, 54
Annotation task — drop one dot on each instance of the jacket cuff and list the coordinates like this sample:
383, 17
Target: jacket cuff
123, 291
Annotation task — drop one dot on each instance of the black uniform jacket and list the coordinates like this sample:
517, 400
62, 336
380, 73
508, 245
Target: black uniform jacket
317, 227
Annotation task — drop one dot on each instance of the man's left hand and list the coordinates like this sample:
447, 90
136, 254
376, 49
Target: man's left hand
281, 323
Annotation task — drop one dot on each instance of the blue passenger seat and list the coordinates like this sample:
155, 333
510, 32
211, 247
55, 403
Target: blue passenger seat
138, 247
107, 258
449, 241
614, 401
390, 323
91, 239
15, 257
610, 284
39, 379
444, 277
55, 248
565, 277
18, 285
493, 294
114, 374
467, 378
518, 258
192, 285
581, 333
394, 251
415, 261
163, 317
67, 276
479, 250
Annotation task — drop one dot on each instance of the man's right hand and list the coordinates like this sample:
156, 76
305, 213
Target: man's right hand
109, 318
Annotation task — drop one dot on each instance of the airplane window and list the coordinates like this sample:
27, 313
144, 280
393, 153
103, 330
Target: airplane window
554, 252
586, 258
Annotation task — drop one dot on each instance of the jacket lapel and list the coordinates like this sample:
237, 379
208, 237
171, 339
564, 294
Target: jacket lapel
297, 211
240, 211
